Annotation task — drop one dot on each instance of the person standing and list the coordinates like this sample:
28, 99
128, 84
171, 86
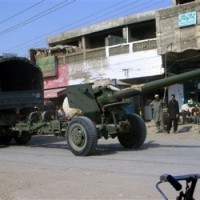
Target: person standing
173, 111
157, 106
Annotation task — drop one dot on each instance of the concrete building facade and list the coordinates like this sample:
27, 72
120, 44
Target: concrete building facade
178, 41
135, 49
124, 49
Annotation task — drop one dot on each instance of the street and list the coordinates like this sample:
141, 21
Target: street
46, 169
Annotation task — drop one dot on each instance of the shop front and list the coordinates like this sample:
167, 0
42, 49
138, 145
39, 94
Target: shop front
178, 63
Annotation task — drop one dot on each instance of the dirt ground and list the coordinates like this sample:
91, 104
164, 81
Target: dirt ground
46, 170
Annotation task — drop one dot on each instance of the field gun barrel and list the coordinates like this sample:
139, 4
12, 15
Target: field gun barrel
110, 94
149, 87
126, 93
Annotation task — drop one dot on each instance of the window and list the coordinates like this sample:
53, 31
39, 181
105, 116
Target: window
183, 1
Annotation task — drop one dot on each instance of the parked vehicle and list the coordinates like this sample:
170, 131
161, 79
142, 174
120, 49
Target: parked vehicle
21, 89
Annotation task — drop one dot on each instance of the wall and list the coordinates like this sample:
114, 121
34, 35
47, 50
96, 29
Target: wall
172, 37
122, 61
138, 64
61, 80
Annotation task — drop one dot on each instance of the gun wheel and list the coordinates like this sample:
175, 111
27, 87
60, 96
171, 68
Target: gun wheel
5, 139
133, 132
46, 116
34, 117
22, 138
6, 136
81, 136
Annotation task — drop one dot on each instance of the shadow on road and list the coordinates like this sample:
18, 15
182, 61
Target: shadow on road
53, 142
48, 142
60, 143
154, 144
184, 129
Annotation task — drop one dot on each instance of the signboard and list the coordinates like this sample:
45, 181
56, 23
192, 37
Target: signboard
61, 80
187, 19
48, 66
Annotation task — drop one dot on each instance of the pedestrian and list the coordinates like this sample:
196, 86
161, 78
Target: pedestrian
173, 111
157, 106
191, 102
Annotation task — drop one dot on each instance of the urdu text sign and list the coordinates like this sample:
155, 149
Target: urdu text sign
187, 19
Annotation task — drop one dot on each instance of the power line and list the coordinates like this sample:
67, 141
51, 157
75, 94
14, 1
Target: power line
110, 13
19, 13
136, 7
140, 5
98, 13
95, 14
78, 20
42, 14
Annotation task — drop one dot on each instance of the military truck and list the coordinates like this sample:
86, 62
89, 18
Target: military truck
21, 91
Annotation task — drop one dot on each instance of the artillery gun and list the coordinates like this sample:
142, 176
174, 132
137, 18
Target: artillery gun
104, 114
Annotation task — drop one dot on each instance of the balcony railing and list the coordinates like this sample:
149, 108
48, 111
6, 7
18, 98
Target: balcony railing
107, 51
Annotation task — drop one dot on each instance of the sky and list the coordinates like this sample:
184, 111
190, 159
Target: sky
26, 24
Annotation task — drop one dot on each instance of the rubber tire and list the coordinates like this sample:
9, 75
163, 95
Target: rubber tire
24, 138
6, 136
5, 139
137, 134
81, 136
34, 117
46, 116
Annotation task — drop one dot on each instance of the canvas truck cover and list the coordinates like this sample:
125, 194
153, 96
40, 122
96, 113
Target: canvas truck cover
21, 83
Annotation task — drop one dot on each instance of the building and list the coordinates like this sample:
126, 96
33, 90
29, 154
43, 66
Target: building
178, 42
134, 49
123, 49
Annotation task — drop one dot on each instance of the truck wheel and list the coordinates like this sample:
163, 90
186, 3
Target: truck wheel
81, 136
46, 116
5, 139
134, 131
34, 117
23, 138
5, 135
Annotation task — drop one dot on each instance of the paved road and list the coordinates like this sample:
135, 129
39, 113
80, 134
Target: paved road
46, 169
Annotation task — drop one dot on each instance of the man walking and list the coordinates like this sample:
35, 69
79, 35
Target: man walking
157, 106
173, 111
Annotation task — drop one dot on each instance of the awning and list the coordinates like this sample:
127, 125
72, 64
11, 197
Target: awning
180, 62
54, 93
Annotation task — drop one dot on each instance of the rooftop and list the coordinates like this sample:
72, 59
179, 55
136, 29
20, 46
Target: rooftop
105, 25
